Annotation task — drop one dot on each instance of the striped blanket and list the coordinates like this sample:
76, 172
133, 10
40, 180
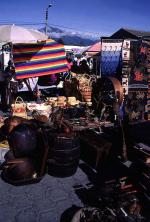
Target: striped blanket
39, 59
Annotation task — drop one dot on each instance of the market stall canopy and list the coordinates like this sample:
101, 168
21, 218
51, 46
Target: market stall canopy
18, 34
39, 59
94, 49
75, 49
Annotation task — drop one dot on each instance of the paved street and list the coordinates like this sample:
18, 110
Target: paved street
41, 202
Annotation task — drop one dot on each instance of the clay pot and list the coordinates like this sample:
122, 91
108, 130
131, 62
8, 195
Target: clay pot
23, 141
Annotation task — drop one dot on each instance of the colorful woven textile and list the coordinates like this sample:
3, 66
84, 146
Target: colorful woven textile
148, 75
148, 102
139, 69
111, 57
138, 79
39, 59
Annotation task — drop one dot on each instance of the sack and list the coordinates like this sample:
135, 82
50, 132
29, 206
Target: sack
19, 108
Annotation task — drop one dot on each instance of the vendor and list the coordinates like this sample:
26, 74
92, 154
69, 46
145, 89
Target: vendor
107, 113
83, 66
12, 83
71, 87
3, 89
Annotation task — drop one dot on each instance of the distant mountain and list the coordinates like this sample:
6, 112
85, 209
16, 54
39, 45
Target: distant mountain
68, 37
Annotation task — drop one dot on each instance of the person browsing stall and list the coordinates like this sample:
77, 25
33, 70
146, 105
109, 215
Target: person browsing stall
3, 89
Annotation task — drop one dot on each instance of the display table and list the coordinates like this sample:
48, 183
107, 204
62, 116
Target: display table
94, 148
83, 124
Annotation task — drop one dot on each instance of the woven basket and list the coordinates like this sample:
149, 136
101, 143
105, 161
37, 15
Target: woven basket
19, 108
87, 96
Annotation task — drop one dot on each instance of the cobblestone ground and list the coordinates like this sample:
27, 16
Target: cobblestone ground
41, 202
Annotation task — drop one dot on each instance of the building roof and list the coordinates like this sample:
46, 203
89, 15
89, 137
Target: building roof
130, 33
95, 48
138, 33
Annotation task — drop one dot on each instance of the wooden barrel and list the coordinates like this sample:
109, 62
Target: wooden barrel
64, 156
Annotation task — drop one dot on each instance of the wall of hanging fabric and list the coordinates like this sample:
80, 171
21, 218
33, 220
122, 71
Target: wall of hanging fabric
148, 102
136, 104
138, 79
148, 76
126, 56
139, 73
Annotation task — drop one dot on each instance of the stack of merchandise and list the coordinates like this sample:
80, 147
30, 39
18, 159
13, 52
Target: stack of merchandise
72, 101
41, 109
87, 94
118, 202
85, 87
52, 101
61, 101
122, 198
140, 155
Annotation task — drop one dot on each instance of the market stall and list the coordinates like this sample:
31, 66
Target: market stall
29, 61
60, 119
65, 119
127, 60
30, 56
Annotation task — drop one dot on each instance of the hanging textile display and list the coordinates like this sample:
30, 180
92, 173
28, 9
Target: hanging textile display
148, 102
139, 73
126, 55
148, 76
111, 57
45, 58
138, 80
136, 103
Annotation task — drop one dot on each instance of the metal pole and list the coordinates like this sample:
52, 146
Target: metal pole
46, 21
46, 18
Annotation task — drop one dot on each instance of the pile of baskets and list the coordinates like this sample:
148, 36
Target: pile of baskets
85, 86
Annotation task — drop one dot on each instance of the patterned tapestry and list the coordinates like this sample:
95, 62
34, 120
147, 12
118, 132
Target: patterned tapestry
139, 74
148, 75
111, 57
126, 56
148, 103
138, 80
39, 59
136, 104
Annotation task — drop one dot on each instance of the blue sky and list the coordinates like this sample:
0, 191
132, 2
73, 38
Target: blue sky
103, 17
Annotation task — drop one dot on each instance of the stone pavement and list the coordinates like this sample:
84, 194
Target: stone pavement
41, 202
